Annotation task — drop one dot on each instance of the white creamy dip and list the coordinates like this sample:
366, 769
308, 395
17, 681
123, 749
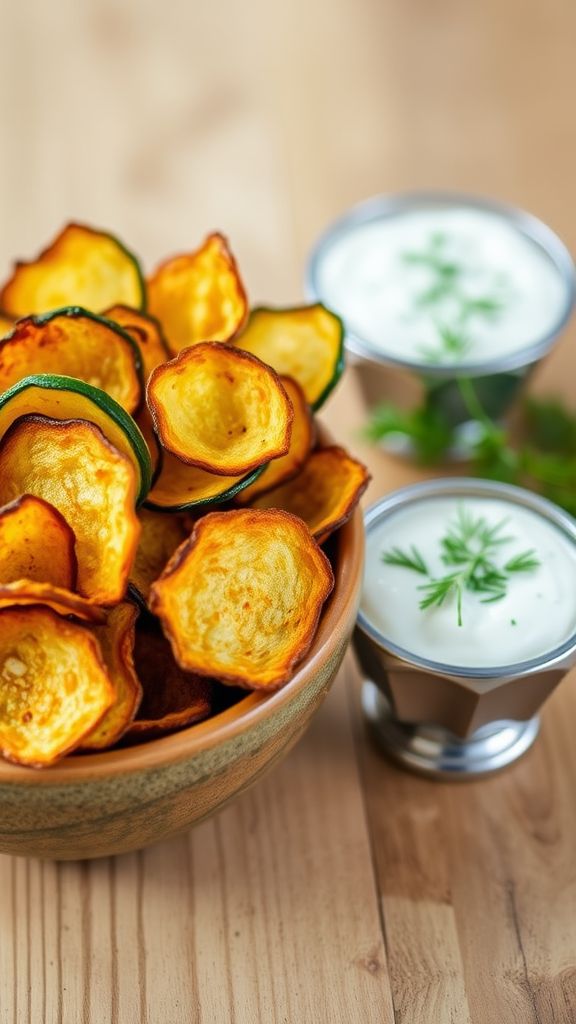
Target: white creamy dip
406, 282
537, 614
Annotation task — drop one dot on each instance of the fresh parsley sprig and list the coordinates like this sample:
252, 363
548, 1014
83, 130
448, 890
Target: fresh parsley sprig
470, 547
544, 460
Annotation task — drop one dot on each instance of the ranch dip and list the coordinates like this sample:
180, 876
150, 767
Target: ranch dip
536, 614
452, 284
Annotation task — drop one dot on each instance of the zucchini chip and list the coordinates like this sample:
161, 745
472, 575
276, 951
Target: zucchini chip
74, 343
71, 464
306, 343
301, 442
81, 267
54, 687
26, 592
146, 332
36, 543
198, 296
182, 488
143, 421
172, 698
325, 492
159, 537
220, 409
64, 398
116, 639
240, 599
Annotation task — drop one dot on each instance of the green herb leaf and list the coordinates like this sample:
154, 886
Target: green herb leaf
470, 545
406, 560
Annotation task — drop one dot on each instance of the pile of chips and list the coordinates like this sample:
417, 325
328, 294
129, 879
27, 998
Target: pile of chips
163, 502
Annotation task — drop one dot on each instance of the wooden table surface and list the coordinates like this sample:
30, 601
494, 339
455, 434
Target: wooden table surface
339, 889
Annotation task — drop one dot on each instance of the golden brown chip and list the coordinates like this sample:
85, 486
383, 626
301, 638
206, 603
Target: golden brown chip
172, 698
220, 409
305, 343
54, 687
27, 592
241, 599
70, 464
74, 343
160, 535
180, 487
116, 639
325, 492
81, 267
36, 543
284, 468
147, 334
198, 296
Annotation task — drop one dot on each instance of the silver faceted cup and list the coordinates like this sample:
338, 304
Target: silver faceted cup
444, 720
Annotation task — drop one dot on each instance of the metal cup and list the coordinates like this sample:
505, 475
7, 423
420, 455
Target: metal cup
496, 381
443, 720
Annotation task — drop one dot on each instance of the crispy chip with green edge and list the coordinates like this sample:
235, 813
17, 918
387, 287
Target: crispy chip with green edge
36, 543
74, 343
64, 398
81, 267
172, 699
65, 602
74, 467
287, 466
198, 296
116, 639
305, 343
325, 492
220, 409
160, 535
182, 488
146, 332
241, 599
54, 687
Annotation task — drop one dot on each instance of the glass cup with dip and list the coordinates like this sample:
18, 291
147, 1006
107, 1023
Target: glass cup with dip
467, 622
448, 301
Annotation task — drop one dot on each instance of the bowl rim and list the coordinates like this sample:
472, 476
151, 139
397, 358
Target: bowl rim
228, 724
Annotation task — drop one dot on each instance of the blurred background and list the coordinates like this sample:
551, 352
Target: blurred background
161, 121
265, 120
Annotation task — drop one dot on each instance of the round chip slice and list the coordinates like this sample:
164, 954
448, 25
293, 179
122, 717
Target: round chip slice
284, 468
54, 687
82, 266
36, 543
71, 464
306, 343
64, 398
198, 296
116, 639
146, 332
241, 599
159, 537
172, 698
325, 492
74, 343
220, 409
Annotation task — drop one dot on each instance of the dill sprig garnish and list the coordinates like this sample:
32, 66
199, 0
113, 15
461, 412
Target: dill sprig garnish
470, 547
446, 288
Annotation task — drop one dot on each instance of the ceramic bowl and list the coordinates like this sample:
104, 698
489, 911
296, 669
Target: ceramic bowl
100, 804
